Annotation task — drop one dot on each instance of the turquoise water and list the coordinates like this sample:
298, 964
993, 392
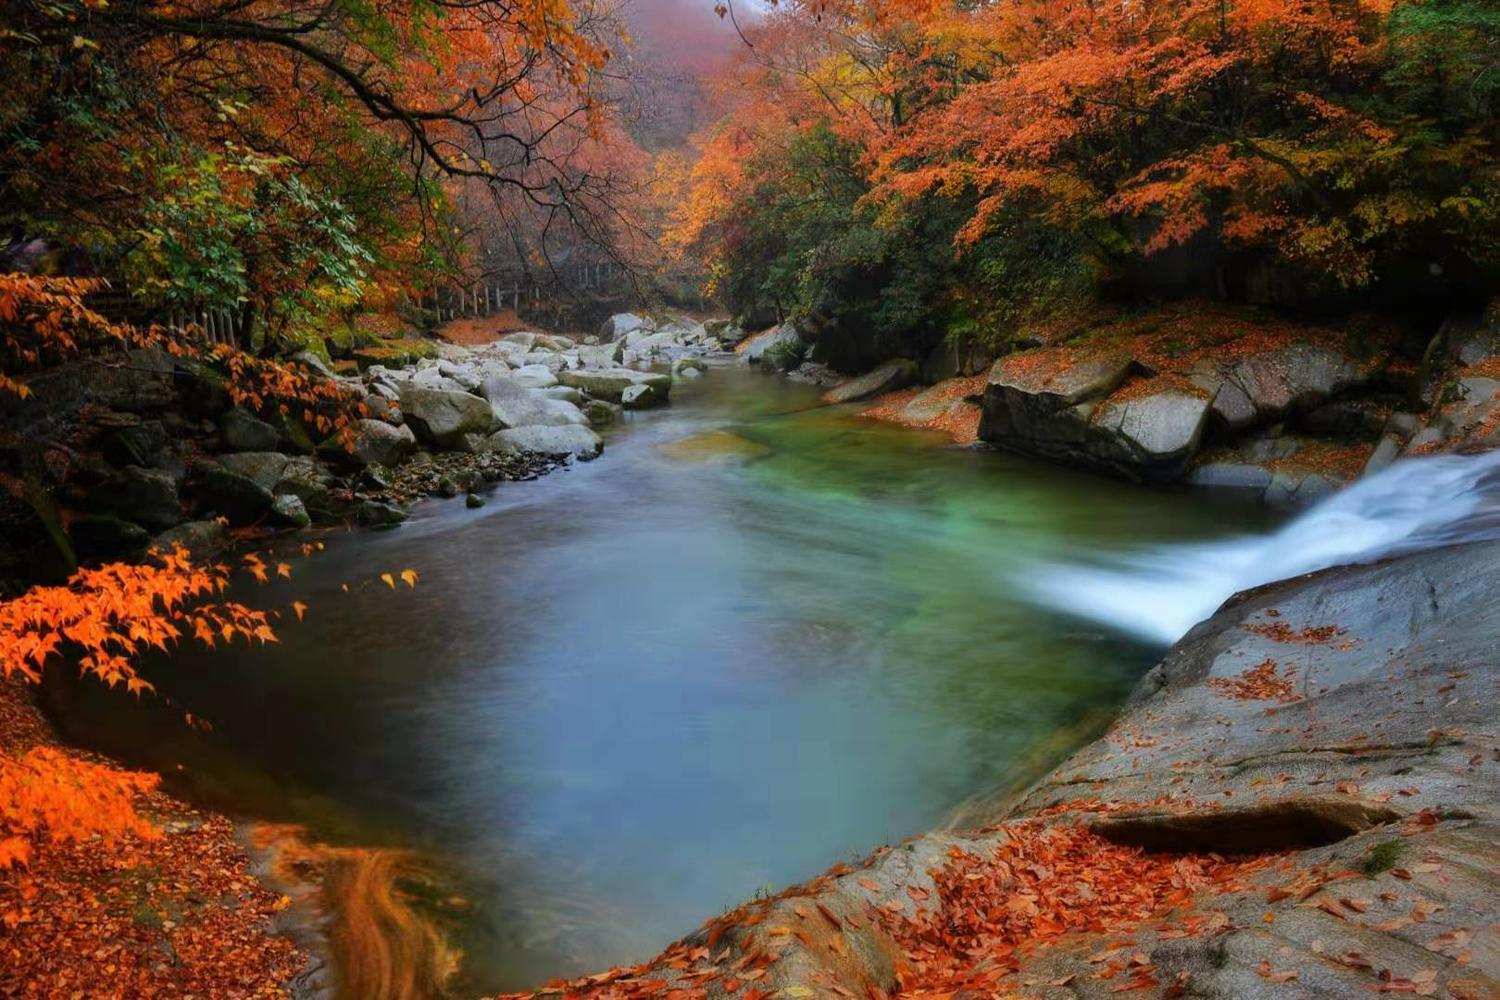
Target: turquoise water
755, 638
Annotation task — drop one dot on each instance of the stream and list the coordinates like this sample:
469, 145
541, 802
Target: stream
755, 638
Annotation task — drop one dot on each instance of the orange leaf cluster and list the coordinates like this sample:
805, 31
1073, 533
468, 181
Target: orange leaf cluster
107, 617
1258, 683
69, 798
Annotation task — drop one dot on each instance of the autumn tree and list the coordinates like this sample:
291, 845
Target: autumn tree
290, 159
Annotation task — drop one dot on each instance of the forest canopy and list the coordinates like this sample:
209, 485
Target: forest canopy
919, 168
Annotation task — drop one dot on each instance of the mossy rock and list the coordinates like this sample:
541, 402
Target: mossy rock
306, 340
342, 341
394, 353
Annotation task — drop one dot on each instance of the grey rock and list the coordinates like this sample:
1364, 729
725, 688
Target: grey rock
375, 441
311, 360
639, 397
535, 377
289, 510
601, 413
602, 356
1231, 475
782, 341
243, 431
890, 376
147, 497
373, 514
239, 498
306, 480
619, 325
611, 383
140, 444
570, 440
441, 417
566, 393
200, 538
515, 405
264, 467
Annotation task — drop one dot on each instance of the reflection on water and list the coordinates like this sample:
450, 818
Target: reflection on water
753, 639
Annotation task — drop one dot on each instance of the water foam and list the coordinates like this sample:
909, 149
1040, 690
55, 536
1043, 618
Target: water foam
1157, 595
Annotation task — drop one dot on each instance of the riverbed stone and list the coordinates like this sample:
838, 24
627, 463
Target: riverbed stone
441, 418
639, 397
264, 467
568, 440
780, 341
374, 442
516, 405
148, 497
223, 491
243, 431
534, 376
288, 509
374, 514
200, 538
601, 413
894, 374
611, 383
1152, 436
619, 325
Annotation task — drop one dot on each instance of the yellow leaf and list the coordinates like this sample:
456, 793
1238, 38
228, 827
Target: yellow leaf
300, 608
409, 576
284, 569
390, 581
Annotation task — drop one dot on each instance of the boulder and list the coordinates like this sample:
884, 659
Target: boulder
239, 498
200, 538
243, 431
307, 480
442, 418
639, 397
684, 365
546, 359
525, 340
139, 444
601, 413
1038, 401
147, 497
892, 375
611, 383
374, 514
570, 440
515, 405
619, 325
781, 341
265, 467
602, 356
1151, 436
310, 360
375, 442
566, 393
289, 510
1266, 387
534, 376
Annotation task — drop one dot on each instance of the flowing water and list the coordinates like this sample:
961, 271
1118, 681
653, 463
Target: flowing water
755, 638
1158, 594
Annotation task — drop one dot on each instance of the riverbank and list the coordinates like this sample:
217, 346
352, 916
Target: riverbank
1301, 800
166, 908
1203, 394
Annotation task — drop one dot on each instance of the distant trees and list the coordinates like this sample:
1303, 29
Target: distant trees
1060, 146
